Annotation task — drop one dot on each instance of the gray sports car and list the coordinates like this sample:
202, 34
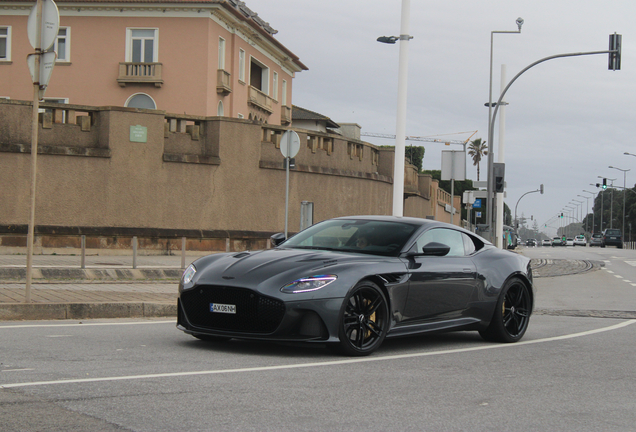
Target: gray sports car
350, 282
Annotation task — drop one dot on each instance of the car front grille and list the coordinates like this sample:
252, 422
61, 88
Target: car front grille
255, 313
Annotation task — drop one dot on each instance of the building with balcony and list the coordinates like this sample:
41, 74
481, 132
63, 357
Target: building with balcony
203, 57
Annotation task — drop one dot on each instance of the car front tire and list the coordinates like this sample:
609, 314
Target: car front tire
512, 314
364, 320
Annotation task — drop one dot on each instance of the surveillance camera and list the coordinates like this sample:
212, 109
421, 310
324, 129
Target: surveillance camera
519, 22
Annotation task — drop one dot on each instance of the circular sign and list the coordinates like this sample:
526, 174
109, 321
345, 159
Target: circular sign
289, 144
50, 25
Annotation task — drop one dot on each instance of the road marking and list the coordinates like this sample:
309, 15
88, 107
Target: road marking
57, 336
87, 324
609, 271
320, 364
16, 370
618, 276
631, 263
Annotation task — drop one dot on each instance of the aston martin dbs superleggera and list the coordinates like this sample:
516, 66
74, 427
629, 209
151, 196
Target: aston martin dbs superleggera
350, 282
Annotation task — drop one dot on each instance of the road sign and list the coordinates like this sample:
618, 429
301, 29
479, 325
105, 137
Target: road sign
477, 203
50, 25
289, 144
47, 61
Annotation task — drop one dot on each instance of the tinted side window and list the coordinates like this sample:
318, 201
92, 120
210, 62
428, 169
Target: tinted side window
450, 238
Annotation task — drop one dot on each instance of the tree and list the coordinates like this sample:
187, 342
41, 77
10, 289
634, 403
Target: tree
415, 155
476, 150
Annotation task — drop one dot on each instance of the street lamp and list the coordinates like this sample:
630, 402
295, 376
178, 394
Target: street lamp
587, 208
593, 205
581, 209
490, 184
400, 134
611, 201
624, 194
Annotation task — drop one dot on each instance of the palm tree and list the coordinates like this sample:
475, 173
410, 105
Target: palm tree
477, 149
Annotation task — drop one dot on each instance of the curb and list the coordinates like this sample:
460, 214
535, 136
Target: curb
61, 311
17, 275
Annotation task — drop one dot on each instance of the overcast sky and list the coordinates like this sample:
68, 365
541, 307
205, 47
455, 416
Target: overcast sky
568, 119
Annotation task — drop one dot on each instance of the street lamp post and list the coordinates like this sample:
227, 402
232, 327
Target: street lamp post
580, 203
491, 182
593, 205
587, 208
400, 134
624, 194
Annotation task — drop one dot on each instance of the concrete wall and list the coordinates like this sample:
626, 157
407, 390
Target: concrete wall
207, 178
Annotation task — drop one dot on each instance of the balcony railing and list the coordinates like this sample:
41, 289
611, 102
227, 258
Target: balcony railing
260, 100
136, 73
223, 85
285, 115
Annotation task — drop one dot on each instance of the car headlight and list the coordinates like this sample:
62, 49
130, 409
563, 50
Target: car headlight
188, 274
311, 283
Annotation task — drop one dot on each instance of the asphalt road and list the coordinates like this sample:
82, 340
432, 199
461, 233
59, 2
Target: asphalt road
574, 370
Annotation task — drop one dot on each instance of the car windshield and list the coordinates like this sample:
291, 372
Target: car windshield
596, 236
612, 232
354, 235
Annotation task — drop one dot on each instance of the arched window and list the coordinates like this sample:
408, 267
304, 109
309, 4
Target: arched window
141, 100
219, 109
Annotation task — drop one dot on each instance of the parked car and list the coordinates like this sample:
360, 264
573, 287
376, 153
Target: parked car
558, 241
531, 242
612, 237
569, 241
580, 240
596, 239
546, 242
325, 285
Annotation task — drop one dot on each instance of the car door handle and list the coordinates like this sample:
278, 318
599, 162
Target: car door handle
467, 270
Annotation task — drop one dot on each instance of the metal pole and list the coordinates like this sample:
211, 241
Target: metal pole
287, 159
34, 148
183, 252
134, 245
400, 134
499, 219
83, 259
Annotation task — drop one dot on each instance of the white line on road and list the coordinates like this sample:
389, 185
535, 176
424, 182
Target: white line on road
319, 364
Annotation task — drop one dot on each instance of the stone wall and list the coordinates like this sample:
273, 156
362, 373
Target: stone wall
218, 181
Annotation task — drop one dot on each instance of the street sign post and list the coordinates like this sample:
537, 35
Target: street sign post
289, 147
42, 27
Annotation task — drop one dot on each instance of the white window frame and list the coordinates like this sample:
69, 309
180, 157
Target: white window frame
241, 116
284, 96
275, 86
140, 93
264, 74
67, 44
8, 42
129, 41
241, 76
221, 53
220, 109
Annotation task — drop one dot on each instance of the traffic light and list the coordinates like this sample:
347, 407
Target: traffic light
541, 189
598, 185
498, 170
604, 183
615, 57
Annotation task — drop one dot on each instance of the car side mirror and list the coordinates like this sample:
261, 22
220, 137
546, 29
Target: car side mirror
277, 239
436, 249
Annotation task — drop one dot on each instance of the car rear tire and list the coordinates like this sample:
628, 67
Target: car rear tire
364, 320
512, 314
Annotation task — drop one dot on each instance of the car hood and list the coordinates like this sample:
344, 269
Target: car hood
271, 269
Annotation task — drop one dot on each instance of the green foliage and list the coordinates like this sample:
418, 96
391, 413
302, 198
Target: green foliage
415, 155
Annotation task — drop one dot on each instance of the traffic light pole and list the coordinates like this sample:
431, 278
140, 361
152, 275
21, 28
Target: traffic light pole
614, 53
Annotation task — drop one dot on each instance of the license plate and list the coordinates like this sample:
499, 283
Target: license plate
222, 308
612, 238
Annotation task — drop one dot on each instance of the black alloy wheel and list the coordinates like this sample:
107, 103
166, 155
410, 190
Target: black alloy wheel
364, 320
512, 314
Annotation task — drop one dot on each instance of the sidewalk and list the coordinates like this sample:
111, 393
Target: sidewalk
108, 287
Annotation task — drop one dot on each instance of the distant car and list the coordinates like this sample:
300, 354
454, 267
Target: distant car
596, 240
531, 242
612, 237
558, 241
579, 240
569, 242
546, 242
